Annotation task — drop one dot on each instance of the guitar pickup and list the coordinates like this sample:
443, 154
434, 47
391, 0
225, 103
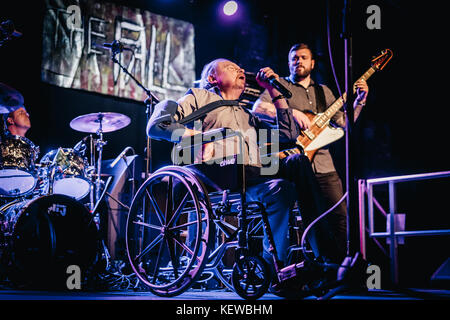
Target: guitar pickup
299, 147
309, 134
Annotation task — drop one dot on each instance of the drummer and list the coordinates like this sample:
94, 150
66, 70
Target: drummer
18, 122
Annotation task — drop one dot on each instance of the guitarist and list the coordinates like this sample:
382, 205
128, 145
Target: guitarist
307, 95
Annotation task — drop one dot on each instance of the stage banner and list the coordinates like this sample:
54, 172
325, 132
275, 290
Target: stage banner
161, 54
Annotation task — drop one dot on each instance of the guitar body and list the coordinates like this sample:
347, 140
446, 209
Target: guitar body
313, 139
317, 137
329, 135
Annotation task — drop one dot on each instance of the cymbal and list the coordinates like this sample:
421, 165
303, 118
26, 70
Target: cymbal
10, 99
109, 121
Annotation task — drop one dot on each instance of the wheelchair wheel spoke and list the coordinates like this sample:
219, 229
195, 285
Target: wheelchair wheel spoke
187, 249
148, 225
158, 211
187, 224
169, 200
177, 212
173, 256
252, 269
149, 247
158, 261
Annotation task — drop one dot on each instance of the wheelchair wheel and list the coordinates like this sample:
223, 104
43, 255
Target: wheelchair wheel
251, 277
226, 245
168, 231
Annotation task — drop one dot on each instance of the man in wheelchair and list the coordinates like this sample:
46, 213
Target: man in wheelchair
222, 84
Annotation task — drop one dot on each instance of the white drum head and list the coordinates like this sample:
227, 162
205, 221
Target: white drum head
76, 188
16, 182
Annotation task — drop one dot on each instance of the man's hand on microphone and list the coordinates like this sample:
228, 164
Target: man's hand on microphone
262, 77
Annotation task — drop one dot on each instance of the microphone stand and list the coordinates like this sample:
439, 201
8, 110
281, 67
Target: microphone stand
351, 273
349, 140
99, 195
149, 102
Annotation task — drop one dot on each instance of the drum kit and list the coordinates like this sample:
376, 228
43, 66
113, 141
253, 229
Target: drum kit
42, 202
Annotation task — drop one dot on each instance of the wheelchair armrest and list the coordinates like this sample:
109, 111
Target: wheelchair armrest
213, 135
196, 142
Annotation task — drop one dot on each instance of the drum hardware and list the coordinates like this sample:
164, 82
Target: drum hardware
95, 217
109, 194
99, 144
99, 123
51, 178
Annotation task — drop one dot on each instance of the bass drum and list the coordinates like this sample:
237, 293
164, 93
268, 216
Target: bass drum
42, 237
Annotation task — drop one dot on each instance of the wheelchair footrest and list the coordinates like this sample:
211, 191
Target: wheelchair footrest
292, 271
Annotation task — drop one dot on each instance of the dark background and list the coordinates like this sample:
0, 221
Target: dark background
402, 130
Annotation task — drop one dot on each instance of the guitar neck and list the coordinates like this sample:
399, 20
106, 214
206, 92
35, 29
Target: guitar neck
331, 111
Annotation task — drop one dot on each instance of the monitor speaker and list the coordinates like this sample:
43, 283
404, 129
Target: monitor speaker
126, 179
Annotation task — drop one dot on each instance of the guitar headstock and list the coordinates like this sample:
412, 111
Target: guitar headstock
378, 63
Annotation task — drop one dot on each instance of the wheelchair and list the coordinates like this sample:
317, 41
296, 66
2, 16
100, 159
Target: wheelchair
178, 228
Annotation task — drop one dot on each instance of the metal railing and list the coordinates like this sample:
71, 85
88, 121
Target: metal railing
366, 188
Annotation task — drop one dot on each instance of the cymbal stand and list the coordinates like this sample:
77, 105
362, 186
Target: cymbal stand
98, 181
98, 187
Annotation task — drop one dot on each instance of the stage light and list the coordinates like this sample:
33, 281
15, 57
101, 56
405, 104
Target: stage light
230, 8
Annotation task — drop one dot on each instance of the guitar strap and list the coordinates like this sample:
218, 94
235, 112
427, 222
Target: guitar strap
320, 98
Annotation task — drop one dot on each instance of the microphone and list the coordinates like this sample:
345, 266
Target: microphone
116, 46
120, 156
277, 85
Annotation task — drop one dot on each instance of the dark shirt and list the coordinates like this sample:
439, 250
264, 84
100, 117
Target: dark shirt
305, 99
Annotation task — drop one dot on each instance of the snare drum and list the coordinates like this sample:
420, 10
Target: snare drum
42, 237
17, 166
67, 169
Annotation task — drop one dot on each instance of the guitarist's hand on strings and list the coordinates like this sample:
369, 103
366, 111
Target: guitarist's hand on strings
301, 118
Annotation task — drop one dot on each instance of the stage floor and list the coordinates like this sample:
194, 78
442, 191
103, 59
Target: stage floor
211, 295
220, 304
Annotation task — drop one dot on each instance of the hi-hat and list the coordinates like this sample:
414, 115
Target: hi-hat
104, 121
10, 99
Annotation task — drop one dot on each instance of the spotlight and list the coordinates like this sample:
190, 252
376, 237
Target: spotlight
230, 8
